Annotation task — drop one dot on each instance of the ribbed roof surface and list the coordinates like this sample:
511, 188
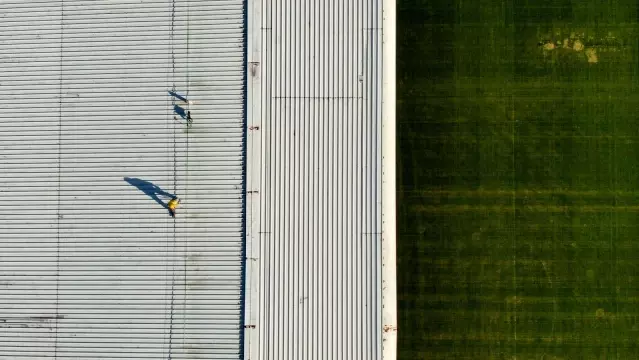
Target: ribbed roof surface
317, 67
91, 263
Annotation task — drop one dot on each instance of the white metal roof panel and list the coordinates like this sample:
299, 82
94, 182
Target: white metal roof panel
92, 266
315, 181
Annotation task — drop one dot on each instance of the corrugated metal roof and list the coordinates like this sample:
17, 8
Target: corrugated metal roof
315, 172
91, 264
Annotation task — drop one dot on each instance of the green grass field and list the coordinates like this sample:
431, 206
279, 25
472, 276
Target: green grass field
519, 180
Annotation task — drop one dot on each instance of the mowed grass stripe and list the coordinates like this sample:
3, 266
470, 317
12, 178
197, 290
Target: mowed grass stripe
525, 208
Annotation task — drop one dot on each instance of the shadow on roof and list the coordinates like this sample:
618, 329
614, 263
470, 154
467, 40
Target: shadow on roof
151, 190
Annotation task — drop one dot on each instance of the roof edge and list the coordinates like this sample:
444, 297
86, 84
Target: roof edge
389, 200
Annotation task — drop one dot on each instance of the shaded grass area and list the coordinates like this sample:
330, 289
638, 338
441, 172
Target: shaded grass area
519, 183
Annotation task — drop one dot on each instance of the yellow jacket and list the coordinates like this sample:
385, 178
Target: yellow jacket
173, 204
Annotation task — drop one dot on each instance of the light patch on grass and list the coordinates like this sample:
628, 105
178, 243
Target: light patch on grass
592, 55
514, 300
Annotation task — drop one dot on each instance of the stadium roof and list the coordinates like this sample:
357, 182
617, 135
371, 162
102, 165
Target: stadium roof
272, 123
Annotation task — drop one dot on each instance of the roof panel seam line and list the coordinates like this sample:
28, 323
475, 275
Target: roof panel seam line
59, 214
173, 238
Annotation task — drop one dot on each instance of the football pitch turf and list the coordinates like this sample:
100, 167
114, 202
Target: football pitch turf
518, 179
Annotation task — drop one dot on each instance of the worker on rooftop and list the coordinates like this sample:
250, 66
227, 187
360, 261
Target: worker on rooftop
172, 205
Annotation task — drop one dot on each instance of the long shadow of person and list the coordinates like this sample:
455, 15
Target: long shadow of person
151, 190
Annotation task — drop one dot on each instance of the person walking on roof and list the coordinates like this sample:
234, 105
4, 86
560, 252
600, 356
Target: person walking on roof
172, 205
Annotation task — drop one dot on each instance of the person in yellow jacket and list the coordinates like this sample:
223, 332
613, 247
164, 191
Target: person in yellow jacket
172, 205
